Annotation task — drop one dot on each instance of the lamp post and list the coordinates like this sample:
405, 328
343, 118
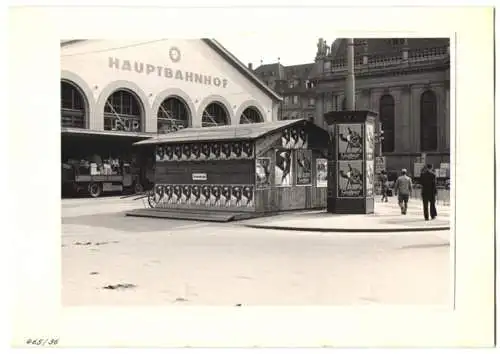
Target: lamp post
350, 89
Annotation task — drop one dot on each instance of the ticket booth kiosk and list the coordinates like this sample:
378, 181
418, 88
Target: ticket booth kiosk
254, 169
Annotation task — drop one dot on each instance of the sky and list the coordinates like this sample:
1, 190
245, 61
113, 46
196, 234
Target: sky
290, 48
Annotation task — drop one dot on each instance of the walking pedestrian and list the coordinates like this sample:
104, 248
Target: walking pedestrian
403, 188
384, 183
429, 191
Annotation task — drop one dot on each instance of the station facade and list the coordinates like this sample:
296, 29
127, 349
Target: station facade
158, 86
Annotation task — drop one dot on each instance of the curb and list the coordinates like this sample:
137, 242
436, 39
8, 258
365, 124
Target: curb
338, 230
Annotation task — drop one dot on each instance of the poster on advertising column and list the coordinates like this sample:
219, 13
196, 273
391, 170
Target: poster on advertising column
350, 142
370, 141
321, 173
350, 179
370, 177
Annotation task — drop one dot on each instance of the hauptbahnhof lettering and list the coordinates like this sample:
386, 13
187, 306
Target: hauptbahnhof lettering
169, 73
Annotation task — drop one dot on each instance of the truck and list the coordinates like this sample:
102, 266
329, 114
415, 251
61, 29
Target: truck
84, 178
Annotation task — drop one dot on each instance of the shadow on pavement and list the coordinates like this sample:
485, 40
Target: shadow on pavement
119, 222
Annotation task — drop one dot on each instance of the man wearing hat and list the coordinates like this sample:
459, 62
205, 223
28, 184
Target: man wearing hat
403, 189
429, 191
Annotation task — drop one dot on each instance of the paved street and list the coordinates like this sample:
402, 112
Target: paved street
175, 262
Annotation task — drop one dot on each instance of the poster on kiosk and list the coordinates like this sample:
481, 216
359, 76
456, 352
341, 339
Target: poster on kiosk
350, 154
370, 159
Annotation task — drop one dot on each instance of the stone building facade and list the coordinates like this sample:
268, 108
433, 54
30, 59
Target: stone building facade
405, 80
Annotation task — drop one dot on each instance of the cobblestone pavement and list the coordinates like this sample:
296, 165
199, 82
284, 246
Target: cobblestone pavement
110, 259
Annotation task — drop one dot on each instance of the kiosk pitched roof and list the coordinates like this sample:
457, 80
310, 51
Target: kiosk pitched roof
220, 133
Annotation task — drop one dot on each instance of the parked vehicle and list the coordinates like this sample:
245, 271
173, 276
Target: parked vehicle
88, 178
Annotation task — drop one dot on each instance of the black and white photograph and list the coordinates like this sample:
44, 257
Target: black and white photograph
350, 141
370, 141
283, 170
321, 172
195, 195
248, 197
226, 196
205, 151
118, 183
186, 194
215, 151
370, 178
186, 152
210, 177
177, 195
247, 150
304, 167
178, 153
215, 196
294, 138
226, 151
263, 172
350, 179
237, 196
236, 150
195, 151
160, 153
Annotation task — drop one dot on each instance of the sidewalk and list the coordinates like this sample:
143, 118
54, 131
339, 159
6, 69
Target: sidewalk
387, 218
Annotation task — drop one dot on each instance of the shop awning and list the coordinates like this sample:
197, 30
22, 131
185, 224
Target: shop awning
221, 133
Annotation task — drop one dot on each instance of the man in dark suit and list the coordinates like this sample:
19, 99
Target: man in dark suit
429, 191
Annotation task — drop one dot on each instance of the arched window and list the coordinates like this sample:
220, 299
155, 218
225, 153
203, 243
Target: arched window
386, 111
123, 112
73, 106
250, 115
173, 114
428, 121
215, 114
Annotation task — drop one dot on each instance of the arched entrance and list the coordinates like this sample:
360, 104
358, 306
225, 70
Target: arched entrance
215, 114
73, 106
251, 115
173, 114
123, 112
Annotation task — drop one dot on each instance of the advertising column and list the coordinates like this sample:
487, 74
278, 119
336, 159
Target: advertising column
351, 188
